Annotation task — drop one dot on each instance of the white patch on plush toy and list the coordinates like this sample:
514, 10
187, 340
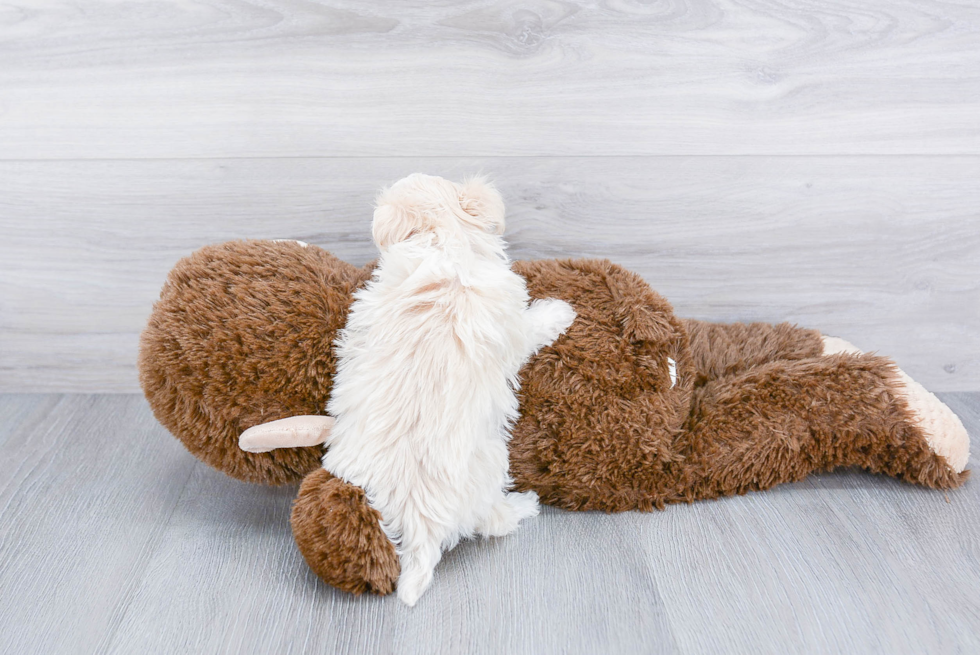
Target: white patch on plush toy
833, 346
292, 432
302, 243
943, 429
672, 370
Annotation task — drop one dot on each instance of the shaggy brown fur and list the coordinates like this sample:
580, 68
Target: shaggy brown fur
722, 349
242, 335
339, 535
598, 415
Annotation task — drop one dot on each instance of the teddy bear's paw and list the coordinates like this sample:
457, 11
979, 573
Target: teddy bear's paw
508, 512
834, 346
943, 429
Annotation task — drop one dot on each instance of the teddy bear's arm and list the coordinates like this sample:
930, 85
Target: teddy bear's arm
341, 538
721, 349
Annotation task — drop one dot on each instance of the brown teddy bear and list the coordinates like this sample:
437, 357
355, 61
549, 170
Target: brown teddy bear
631, 409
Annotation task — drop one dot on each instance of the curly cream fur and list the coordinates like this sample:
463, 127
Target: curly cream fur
424, 396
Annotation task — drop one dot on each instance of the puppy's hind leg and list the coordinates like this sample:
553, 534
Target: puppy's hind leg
507, 512
418, 563
546, 320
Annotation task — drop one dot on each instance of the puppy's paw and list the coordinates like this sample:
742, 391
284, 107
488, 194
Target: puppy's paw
525, 504
508, 512
413, 581
549, 319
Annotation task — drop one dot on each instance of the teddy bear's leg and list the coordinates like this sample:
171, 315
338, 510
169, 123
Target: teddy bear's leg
783, 420
942, 428
720, 349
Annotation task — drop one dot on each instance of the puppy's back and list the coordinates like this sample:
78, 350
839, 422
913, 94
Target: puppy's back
425, 386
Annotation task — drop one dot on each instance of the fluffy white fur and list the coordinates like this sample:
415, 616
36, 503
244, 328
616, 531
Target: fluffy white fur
424, 395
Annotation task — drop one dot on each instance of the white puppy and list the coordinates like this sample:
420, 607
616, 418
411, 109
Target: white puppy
424, 395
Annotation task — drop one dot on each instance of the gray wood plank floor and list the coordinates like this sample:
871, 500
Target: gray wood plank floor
113, 539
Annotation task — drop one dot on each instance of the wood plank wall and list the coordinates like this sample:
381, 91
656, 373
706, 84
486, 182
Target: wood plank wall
753, 160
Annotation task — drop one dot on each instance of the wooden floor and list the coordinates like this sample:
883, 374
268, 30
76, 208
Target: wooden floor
113, 539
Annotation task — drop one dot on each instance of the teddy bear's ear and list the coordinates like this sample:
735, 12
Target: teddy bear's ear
480, 199
408, 207
292, 432
340, 536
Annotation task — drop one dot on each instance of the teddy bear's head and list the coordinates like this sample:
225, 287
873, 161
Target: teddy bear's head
242, 334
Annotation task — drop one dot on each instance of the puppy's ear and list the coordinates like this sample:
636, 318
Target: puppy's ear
391, 224
396, 217
481, 200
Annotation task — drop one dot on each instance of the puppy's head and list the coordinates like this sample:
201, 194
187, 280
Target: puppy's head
423, 205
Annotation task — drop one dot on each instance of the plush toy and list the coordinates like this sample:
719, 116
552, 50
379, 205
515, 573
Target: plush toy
632, 409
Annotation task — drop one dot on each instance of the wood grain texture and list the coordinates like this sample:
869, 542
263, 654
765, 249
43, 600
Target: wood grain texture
883, 251
223, 78
87, 484
115, 540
